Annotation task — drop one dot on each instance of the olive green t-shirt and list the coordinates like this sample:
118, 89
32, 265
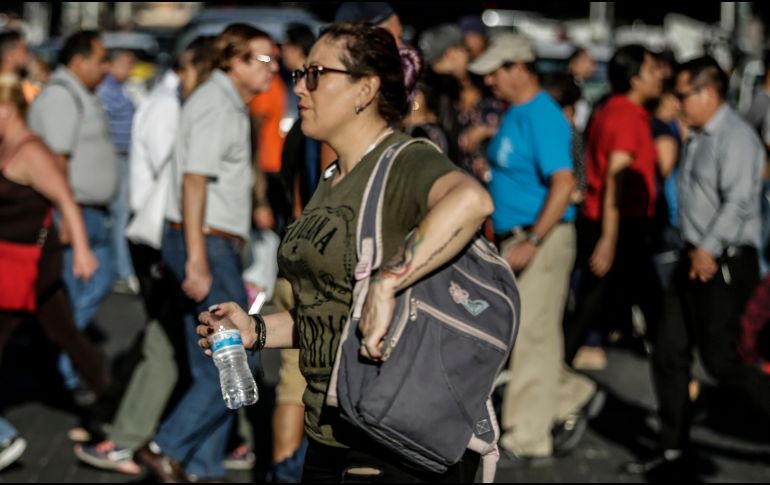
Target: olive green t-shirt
318, 256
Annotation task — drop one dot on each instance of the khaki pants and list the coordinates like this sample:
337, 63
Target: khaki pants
542, 391
148, 391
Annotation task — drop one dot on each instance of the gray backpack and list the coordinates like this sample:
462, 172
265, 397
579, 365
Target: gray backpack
451, 334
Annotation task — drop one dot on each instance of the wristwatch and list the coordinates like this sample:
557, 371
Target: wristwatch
534, 238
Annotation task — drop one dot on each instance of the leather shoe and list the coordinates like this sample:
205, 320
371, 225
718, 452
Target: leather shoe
164, 468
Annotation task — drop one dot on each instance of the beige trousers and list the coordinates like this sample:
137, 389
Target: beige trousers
542, 390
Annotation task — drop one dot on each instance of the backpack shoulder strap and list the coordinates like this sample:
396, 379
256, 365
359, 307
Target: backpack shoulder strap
369, 228
63, 84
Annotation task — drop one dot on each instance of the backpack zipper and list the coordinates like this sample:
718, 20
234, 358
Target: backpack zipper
400, 326
458, 325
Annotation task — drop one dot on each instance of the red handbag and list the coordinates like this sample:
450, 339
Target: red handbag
19, 262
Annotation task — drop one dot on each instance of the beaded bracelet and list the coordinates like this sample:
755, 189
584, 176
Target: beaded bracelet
261, 329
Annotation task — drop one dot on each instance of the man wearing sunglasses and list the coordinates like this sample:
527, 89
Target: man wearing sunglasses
719, 194
209, 215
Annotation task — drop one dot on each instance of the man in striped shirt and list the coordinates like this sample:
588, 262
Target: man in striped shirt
120, 112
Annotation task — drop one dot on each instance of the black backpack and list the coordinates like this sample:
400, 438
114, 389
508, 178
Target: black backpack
451, 334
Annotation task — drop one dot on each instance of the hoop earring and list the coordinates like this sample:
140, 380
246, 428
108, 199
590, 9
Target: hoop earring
359, 109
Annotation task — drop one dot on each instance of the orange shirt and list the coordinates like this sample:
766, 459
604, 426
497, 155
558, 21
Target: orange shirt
269, 107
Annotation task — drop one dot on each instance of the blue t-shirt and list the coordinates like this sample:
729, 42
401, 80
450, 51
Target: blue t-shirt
534, 142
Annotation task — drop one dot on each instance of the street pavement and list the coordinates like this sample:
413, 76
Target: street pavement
732, 443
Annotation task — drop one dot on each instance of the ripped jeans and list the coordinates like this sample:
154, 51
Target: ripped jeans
368, 463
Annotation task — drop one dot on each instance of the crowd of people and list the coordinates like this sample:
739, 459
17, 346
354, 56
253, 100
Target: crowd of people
639, 218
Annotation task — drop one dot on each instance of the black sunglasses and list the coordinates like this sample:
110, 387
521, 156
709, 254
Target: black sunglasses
312, 74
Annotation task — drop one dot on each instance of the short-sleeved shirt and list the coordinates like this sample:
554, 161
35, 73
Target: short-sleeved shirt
533, 143
318, 256
214, 140
621, 126
79, 129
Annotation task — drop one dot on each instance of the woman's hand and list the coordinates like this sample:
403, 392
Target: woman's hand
84, 264
376, 316
231, 313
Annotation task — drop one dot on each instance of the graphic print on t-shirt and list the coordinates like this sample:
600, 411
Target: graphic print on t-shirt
319, 250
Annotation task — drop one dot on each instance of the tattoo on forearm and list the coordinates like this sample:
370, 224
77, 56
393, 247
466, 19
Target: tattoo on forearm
401, 265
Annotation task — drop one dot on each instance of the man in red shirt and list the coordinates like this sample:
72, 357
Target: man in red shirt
614, 252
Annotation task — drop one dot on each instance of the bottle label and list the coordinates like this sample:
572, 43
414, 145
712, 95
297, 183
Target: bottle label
229, 339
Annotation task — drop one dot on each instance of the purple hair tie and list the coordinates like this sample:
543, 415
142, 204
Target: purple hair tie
411, 62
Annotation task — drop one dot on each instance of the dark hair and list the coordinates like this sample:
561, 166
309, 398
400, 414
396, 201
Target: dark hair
624, 66
234, 42
80, 43
300, 35
201, 52
562, 88
8, 40
705, 71
579, 51
372, 51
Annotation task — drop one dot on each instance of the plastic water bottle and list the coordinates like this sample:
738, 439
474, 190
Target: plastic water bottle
235, 378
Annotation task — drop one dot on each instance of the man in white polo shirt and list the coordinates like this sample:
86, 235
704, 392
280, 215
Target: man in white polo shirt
209, 219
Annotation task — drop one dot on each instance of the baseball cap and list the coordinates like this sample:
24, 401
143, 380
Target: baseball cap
503, 48
435, 41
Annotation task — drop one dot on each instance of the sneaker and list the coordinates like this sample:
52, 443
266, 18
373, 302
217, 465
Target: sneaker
128, 286
11, 450
568, 434
240, 459
107, 456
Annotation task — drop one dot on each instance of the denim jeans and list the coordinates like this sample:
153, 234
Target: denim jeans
86, 296
119, 211
196, 431
7, 431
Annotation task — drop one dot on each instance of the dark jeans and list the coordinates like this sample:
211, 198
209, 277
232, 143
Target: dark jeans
711, 323
327, 464
195, 433
631, 280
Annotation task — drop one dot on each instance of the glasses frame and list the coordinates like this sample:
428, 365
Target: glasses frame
312, 75
263, 58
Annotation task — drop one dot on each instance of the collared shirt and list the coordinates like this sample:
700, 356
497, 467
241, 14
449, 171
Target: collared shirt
154, 135
533, 143
72, 122
720, 184
214, 140
120, 111
620, 126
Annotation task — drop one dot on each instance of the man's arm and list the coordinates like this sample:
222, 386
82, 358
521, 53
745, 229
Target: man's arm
557, 201
604, 252
197, 283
